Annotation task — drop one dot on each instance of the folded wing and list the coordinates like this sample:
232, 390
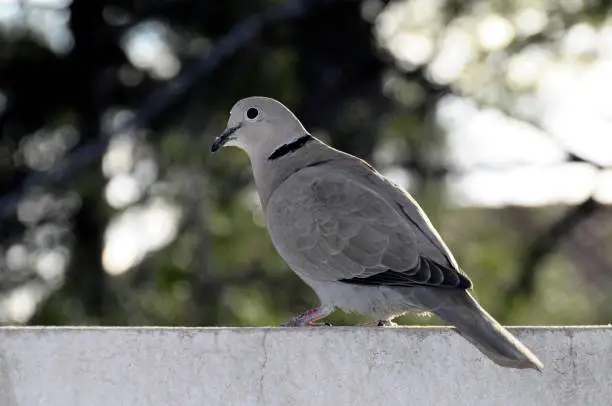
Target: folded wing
337, 226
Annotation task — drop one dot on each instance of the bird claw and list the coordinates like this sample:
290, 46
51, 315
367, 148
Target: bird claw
379, 323
294, 323
308, 318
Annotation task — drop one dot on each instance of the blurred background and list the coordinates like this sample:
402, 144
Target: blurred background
495, 115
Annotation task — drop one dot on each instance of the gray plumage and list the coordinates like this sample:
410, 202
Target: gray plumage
360, 241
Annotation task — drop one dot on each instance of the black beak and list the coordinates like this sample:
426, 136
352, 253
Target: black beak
223, 138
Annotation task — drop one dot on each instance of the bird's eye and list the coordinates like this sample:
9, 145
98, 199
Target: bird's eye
252, 113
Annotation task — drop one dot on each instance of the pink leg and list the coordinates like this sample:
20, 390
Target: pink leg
307, 318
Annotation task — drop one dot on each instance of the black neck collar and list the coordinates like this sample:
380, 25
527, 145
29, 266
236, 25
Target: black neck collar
291, 147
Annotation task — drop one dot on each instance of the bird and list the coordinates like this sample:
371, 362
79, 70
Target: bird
359, 240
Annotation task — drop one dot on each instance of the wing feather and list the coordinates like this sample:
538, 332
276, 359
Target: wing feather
332, 224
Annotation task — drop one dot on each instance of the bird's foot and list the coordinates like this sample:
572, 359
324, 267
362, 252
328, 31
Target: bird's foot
308, 318
379, 323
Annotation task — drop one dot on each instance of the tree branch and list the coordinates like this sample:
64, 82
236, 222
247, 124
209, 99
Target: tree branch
160, 100
542, 247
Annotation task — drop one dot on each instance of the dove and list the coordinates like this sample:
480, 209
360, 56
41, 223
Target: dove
360, 241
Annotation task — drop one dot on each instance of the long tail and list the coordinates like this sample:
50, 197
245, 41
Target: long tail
479, 327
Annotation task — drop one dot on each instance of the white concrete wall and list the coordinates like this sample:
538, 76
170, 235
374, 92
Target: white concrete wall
308, 366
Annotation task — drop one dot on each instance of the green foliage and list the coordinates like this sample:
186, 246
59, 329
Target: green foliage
220, 267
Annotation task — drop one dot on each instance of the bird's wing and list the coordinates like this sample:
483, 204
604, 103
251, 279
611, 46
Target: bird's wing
332, 221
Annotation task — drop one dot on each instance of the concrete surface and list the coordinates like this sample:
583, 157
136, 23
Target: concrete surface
307, 366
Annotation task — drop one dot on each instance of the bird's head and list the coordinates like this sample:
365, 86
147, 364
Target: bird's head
259, 126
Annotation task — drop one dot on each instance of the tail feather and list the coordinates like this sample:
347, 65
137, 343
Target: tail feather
479, 327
